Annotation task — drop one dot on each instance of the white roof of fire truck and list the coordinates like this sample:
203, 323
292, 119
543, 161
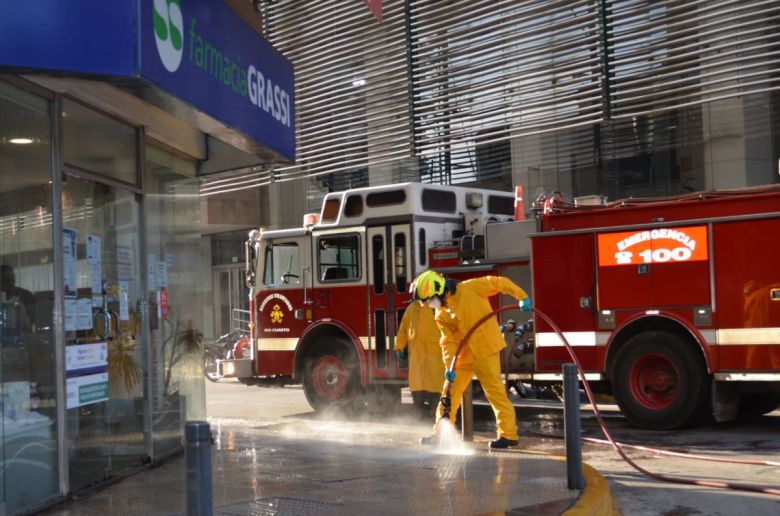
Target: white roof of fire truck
356, 206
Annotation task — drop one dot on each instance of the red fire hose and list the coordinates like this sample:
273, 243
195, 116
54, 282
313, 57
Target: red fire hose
616, 446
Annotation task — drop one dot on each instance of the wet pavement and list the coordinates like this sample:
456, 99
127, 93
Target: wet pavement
310, 465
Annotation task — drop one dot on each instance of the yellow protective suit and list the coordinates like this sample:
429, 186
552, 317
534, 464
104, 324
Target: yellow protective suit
480, 356
420, 335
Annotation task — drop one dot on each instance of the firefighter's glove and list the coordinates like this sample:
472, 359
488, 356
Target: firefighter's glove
525, 304
449, 375
401, 354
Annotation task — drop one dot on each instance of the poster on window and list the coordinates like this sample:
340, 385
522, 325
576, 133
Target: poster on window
162, 275
151, 272
124, 311
86, 390
95, 261
86, 358
124, 262
162, 304
69, 261
84, 313
71, 313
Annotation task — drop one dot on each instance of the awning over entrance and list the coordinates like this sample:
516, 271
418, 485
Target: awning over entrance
197, 59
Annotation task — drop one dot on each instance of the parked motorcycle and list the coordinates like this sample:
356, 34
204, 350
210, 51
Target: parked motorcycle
231, 345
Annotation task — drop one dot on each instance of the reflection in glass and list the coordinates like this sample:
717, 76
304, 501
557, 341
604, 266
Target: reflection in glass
28, 458
98, 143
173, 296
104, 353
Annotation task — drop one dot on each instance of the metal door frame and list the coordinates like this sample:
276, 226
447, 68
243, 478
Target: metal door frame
234, 270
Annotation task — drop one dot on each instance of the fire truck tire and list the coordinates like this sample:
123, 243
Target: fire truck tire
659, 382
331, 378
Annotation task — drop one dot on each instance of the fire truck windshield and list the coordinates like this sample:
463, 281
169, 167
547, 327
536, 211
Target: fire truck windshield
281, 264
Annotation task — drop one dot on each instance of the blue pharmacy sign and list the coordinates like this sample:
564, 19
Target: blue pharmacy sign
202, 52
81, 36
197, 51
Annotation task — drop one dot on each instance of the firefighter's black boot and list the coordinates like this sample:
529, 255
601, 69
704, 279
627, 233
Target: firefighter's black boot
501, 443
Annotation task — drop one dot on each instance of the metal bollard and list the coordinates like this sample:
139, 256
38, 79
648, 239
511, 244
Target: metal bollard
467, 414
572, 430
198, 451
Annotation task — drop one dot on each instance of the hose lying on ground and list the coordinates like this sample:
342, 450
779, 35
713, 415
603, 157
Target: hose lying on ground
615, 445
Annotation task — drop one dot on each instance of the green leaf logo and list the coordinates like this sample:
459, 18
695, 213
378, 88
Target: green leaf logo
168, 32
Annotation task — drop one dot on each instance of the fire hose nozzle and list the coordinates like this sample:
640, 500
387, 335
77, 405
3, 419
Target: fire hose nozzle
446, 403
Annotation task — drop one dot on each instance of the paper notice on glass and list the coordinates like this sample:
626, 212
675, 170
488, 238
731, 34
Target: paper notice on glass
86, 358
84, 313
162, 275
69, 261
162, 304
94, 249
124, 262
71, 311
97, 277
124, 312
86, 390
151, 272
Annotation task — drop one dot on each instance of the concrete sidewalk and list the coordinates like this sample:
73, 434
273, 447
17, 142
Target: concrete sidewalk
308, 466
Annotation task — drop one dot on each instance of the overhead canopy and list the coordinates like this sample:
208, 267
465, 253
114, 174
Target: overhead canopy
196, 59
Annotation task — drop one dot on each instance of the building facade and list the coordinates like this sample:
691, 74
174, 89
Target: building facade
611, 97
108, 122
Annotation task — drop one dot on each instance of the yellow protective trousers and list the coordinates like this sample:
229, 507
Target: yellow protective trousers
488, 372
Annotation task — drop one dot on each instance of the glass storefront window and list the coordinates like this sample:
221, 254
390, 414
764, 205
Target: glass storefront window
28, 462
105, 359
95, 142
173, 296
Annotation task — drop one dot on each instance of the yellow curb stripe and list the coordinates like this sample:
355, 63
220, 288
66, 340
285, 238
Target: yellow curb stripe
595, 499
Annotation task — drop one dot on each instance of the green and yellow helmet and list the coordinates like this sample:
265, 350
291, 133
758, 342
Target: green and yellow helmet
429, 284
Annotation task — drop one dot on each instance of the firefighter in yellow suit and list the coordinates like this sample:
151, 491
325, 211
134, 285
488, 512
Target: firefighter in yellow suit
458, 307
418, 338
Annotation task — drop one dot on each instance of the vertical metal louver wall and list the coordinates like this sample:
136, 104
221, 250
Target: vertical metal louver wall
351, 83
485, 71
483, 90
669, 54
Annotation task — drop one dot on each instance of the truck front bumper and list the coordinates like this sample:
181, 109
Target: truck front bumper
235, 368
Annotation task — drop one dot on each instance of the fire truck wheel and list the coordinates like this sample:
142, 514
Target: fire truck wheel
331, 375
659, 382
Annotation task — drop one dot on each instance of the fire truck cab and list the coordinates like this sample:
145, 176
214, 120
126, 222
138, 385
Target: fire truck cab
327, 298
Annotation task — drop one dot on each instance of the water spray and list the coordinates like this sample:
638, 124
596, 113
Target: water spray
446, 399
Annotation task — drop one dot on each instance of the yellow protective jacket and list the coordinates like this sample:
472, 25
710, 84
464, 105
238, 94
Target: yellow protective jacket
418, 332
464, 308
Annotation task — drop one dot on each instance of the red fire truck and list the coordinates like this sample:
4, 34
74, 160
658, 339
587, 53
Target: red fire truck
672, 305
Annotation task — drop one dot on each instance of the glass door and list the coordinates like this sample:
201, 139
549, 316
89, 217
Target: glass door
231, 299
104, 354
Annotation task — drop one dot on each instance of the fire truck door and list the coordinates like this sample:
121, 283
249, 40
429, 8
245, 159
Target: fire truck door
389, 275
